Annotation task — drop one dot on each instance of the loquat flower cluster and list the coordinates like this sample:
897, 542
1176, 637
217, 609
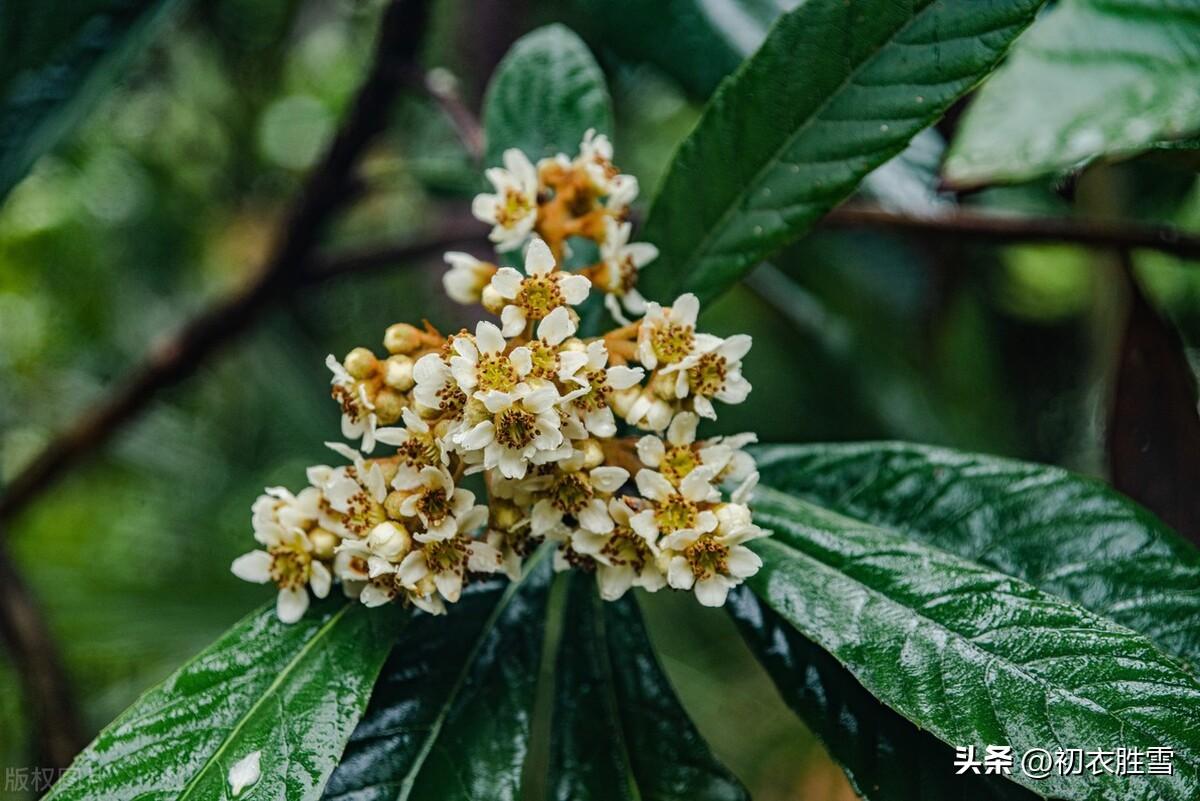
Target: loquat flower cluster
530, 413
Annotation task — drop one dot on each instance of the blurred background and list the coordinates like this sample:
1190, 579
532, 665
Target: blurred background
169, 194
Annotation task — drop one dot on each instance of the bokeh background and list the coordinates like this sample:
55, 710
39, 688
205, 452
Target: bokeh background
168, 195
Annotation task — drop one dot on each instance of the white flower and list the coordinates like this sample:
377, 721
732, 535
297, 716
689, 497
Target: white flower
437, 503
680, 453
435, 388
581, 495
480, 364
509, 533
517, 428
288, 562
713, 370
668, 336
595, 158
546, 352
622, 260
673, 508
245, 773
447, 561
358, 413
466, 278
416, 446
624, 558
649, 411
513, 209
540, 291
278, 507
599, 383
715, 562
354, 495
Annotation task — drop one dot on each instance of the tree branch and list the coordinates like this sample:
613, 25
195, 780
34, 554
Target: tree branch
975, 226
325, 191
57, 731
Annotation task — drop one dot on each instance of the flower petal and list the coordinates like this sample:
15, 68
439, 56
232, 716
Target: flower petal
290, 605
254, 567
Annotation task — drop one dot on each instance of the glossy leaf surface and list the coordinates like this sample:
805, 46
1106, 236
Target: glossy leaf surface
696, 42
835, 90
544, 95
975, 656
55, 61
1068, 535
1094, 77
291, 692
450, 718
619, 730
885, 757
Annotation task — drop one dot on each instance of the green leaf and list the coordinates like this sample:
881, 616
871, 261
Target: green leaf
696, 42
975, 656
836, 90
291, 692
619, 730
56, 59
1067, 535
450, 719
885, 757
1094, 77
544, 96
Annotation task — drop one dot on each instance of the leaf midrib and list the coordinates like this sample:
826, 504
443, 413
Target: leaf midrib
703, 245
279, 680
460, 681
784, 500
611, 704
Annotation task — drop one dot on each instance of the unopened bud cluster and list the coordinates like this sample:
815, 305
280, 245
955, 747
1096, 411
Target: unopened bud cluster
536, 409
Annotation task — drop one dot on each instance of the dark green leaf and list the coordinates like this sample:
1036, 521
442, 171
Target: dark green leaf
836, 90
1153, 434
450, 719
885, 757
975, 656
545, 94
55, 61
1067, 535
619, 731
291, 692
1094, 77
696, 42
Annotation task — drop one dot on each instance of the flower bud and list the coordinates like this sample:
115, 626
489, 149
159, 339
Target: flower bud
663, 385
731, 517
574, 344
425, 412
659, 415
392, 503
324, 543
388, 405
361, 363
622, 401
401, 338
492, 301
390, 540
593, 454
504, 515
398, 373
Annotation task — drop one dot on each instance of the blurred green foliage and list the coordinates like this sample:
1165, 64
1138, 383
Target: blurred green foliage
168, 196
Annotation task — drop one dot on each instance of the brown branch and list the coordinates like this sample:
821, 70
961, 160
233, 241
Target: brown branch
1153, 436
975, 226
442, 86
57, 731
464, 233
324, 193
